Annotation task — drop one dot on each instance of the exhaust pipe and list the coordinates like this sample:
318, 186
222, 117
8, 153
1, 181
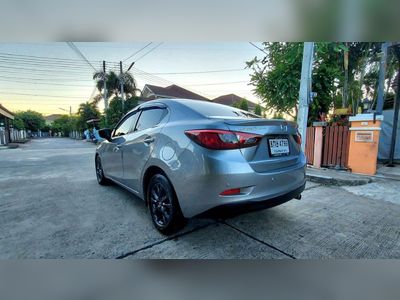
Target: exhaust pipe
298, 197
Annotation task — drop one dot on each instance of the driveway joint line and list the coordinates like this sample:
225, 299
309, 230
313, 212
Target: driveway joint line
258, 240
125, 255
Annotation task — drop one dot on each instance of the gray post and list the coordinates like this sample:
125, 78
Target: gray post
121, 82
395, 115
105, 86
305, 91
382, 73
345, 96
105, 91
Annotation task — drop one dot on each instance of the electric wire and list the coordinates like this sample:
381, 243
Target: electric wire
137, 51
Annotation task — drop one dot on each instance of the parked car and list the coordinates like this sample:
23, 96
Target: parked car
185, 157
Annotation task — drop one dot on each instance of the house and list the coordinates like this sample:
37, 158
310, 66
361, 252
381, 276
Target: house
5, 120
51, 118
232, 99
151, 92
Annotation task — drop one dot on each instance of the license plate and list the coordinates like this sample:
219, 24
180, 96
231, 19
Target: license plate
279, 147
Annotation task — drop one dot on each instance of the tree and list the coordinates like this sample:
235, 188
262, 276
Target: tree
86, 111
114, 112
64, 124
258, 110
113, 84
29, 120
244, 105
276, 77
18, 123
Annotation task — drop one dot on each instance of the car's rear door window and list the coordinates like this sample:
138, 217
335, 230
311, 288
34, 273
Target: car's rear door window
213, 110
127, 125
150, 118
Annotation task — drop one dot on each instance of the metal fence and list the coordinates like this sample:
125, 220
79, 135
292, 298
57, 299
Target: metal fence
12, 136
17, 135
75, 135
3, 140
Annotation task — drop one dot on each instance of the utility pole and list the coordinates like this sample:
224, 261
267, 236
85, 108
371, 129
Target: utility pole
382, 74
305, 91
395, 111
105, 86
70, 110
121, 82
105, 91
345, 96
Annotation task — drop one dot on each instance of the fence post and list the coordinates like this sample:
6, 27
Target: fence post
318, 142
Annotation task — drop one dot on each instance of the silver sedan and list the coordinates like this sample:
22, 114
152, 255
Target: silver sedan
185, 157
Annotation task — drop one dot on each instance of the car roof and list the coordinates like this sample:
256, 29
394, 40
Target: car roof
202, 108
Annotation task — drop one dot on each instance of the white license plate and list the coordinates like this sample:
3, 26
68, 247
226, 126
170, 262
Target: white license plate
279, 147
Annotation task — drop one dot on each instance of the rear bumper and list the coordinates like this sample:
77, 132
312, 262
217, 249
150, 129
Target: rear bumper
199, 189
232, 209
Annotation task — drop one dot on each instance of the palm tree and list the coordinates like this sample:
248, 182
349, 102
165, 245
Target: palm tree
113, 84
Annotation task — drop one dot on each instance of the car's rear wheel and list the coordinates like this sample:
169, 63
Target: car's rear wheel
101, 179
163, 205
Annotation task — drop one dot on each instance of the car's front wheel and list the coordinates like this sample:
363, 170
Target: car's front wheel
163, 205
101, 179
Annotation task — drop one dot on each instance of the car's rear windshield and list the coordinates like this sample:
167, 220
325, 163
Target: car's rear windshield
214, 110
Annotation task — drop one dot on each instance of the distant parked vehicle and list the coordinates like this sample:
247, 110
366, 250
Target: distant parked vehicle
184, 157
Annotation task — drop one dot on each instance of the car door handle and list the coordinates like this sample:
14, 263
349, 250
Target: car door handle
117, 148
148, 140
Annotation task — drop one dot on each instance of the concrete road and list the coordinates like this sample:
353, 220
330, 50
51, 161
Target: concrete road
52, 207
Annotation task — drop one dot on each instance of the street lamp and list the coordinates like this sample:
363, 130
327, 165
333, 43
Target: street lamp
366, 105
70, 110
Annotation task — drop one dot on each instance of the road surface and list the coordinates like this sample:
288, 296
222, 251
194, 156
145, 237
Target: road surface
52, 207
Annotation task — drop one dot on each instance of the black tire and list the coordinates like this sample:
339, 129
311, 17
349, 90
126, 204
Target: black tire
101, 179
163, 205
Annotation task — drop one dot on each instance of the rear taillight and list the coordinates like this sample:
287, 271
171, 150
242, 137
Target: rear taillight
297, 138
223, 139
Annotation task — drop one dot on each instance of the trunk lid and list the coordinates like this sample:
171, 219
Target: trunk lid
277, 149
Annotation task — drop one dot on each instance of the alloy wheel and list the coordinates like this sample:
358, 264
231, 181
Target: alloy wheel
99, 169
161, 205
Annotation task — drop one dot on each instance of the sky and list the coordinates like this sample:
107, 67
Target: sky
51, 77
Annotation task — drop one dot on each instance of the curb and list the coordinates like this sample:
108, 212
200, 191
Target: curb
329, 180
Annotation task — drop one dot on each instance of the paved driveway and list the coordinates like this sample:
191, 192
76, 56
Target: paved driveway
52, 207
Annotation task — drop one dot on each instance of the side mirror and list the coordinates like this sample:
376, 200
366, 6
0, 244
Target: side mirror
105, 134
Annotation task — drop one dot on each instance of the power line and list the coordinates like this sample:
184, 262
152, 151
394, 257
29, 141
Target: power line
39, 95
43, 83
43, 58
44, 75
44, 79
12, 61
254, 45
138, 51
199, 72
218, 83
72, 72
76, 49
151, 50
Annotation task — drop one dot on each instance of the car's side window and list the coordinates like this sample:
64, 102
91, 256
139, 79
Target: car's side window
127, 125
150, 118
